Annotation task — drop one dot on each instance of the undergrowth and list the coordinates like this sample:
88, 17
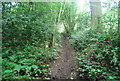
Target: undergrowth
29, 41
98, 55
28, 63
97, 48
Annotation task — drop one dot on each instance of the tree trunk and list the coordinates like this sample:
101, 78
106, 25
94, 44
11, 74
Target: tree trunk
95, 7
31, 6
60, 12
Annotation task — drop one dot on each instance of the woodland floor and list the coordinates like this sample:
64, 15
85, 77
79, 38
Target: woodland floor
65, 66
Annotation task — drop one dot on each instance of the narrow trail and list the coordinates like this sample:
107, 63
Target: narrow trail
64, 67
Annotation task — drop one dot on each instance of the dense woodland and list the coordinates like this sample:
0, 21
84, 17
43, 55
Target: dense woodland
31, 34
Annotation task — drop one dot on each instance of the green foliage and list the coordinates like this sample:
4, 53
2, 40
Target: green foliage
30, 40
26, 64
98, 51
98, 55
26, 29
0, 67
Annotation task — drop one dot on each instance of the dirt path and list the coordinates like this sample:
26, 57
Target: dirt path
64, 66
